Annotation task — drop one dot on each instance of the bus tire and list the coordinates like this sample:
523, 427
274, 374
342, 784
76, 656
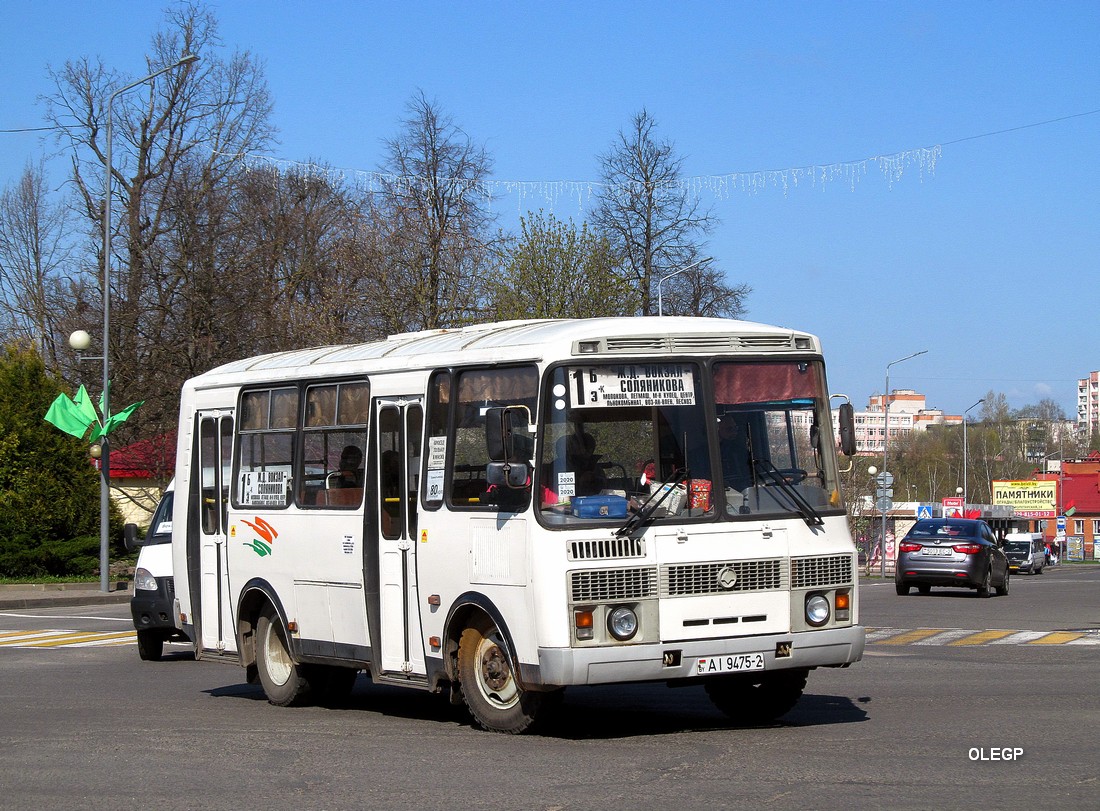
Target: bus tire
150, 645
493, 696
759, 698
282, 678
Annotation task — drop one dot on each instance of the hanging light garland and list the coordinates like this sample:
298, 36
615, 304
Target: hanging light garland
893, 167
550, 192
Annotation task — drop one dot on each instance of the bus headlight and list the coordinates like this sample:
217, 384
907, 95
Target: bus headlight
622, 623
817, 610
144, 581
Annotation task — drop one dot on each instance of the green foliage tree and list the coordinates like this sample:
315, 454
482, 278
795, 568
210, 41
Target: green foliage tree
49, 493
555, 270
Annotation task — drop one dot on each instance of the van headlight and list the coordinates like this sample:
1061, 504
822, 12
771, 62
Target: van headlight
622, 623
144, 581
817, 610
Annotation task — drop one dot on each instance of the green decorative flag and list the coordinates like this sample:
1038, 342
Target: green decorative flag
84, 403
76, 416
115, 420
72, 417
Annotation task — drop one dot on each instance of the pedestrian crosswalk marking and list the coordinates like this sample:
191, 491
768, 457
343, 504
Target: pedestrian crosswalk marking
909, 637
1058, 638
981, 638
66, 639
963, 637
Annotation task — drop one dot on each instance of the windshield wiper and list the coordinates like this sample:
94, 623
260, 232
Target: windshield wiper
645, 512
801, 506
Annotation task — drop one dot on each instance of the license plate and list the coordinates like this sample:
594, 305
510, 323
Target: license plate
937, 551
730, 663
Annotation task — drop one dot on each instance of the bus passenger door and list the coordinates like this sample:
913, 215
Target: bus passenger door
398, 427
209, 497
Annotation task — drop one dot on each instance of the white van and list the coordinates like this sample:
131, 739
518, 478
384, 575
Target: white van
1026, 552
154, 586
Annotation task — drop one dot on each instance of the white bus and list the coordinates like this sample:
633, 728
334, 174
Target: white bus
504, 510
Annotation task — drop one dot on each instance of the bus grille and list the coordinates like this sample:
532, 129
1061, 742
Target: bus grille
704, 578
601, 548
600, 585
834, 570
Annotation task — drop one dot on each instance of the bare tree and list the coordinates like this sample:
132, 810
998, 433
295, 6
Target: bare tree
35, 256
176, 138
433, 223
657, 226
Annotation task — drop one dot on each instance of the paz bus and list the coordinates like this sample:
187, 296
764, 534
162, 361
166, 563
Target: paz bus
504, 510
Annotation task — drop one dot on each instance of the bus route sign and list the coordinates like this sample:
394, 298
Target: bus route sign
648, 384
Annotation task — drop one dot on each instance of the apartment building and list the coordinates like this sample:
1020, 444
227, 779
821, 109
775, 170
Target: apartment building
1088, 404
908, 412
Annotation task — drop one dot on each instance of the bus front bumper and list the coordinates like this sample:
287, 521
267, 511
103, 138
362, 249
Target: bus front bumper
833, 647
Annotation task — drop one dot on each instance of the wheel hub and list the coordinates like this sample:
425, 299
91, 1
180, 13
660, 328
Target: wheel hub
494, 668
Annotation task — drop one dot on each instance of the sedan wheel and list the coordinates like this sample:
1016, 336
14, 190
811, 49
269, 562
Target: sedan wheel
983, 587
1002, 589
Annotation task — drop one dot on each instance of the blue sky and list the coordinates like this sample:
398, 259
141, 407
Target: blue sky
989, 262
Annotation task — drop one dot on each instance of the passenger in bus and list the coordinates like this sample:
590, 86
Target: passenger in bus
350, 473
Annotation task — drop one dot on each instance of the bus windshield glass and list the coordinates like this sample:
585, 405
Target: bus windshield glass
743, 440
776, 450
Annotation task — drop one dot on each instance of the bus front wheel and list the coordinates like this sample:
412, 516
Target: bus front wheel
282, 679
757, 699
493, 696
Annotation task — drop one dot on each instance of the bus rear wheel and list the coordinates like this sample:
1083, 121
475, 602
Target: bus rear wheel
759, 698
494, 698
282, 678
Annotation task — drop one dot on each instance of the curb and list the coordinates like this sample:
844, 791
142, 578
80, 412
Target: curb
45, 595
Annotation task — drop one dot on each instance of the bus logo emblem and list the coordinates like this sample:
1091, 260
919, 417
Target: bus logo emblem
727, 577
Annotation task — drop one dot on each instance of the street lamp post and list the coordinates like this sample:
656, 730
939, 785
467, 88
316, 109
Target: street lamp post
660, 301
886, 440
965, 447
105, 398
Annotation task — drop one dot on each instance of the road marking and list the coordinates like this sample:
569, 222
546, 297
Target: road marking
982, 638
1057, 638
66, 639
961, 637
909, 637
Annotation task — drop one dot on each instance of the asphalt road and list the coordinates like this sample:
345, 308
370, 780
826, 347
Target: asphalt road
920, 725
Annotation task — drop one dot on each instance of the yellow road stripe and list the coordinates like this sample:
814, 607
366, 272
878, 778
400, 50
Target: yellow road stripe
912, 636
16, 634
69, 639
1056, 638
982, 637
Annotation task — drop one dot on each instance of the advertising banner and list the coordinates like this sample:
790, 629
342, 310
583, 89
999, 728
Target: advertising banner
1029, 499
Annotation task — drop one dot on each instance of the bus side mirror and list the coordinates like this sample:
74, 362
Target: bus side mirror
513, 475
130, 537
507, 437
848, 429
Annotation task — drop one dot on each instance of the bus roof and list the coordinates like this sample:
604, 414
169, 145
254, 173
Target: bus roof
534, 340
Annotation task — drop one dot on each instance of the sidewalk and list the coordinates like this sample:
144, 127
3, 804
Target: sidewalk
47, 595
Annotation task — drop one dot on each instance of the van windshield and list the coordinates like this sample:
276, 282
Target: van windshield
160, 528
1020, 547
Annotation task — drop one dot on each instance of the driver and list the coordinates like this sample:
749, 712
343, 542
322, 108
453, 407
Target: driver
733, 449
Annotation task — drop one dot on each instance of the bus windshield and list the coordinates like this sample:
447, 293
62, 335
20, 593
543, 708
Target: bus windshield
744, 440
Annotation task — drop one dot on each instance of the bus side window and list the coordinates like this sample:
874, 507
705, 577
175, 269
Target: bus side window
334, 445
